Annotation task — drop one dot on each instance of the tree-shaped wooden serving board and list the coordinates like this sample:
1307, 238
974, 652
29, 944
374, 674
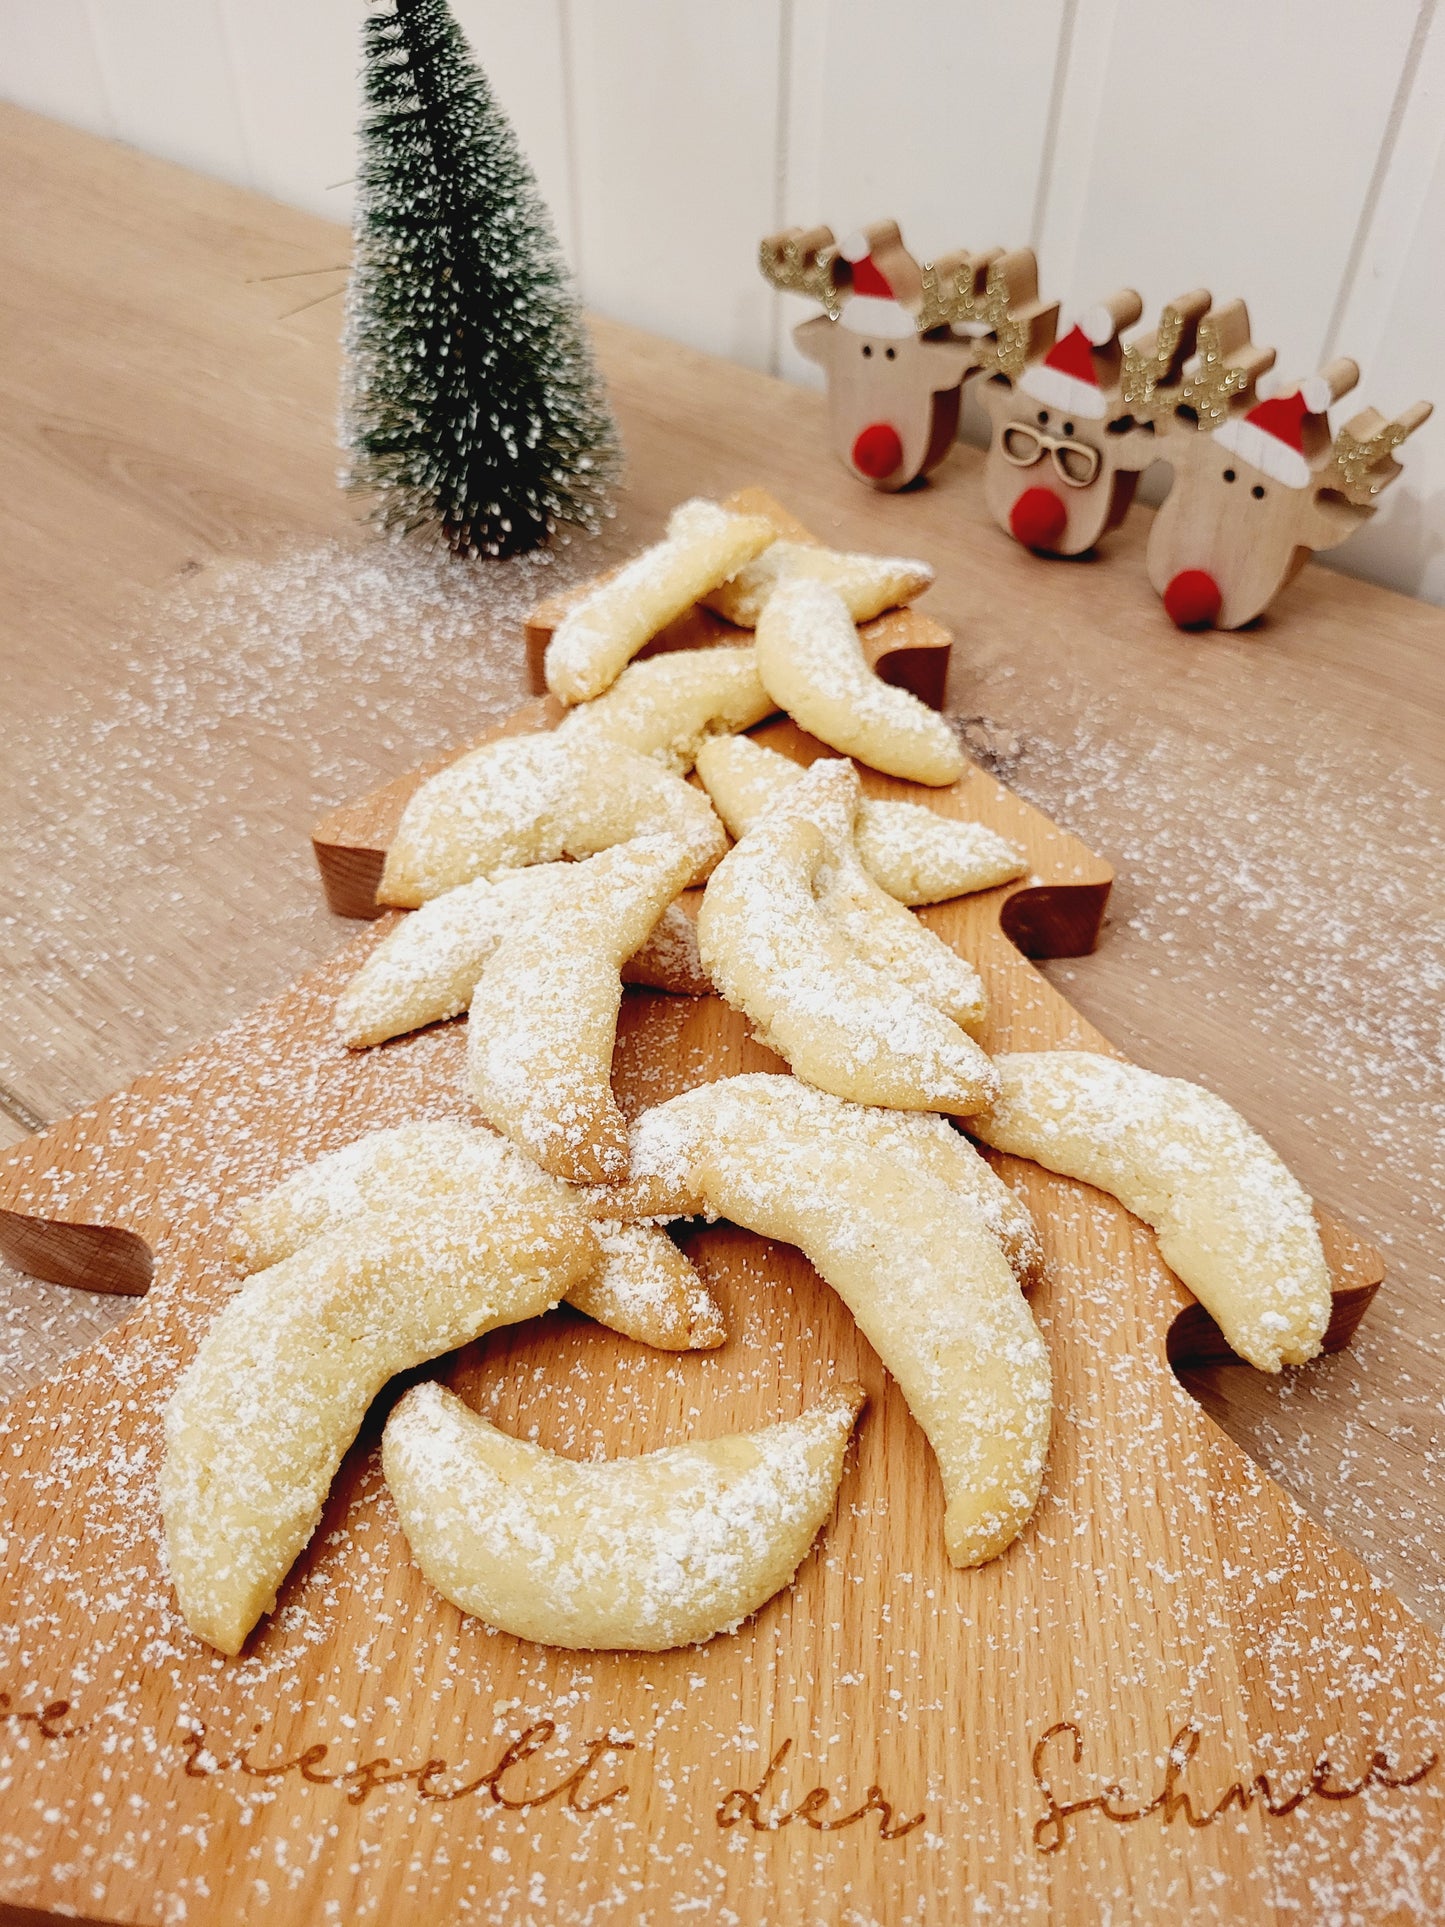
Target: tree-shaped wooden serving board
1173, 1698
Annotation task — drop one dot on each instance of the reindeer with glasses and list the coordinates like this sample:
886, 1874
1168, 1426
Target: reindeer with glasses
1066, 452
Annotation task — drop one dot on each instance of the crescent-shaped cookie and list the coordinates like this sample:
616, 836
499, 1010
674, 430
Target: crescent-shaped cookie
426, 969
880, 1216
882, 929
668, 1139
669, 705
921, 857
641, 1285
868, 584
261, 1418
776, 953
636, 1554
812, 664
543, 1017
533, 799
646, 1289
916, 854
600, 635
1232, 1221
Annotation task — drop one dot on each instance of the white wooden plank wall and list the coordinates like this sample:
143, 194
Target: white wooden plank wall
1292, 154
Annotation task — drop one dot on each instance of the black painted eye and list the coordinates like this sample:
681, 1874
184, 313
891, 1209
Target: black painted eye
1068, 428
1229, 475
1044, 416
1257, 492
867, 351
891, 353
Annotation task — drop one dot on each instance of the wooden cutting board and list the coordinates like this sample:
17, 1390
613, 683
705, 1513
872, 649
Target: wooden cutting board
1173, 1699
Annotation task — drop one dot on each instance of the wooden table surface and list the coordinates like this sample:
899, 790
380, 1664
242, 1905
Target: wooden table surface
204, 647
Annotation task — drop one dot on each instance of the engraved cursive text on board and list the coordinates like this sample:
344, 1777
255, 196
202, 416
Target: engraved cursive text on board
428, 1778
48, 1720
1173, 1802
746, 1803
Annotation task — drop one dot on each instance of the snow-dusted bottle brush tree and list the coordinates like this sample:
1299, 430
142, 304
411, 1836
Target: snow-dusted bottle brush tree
472, 409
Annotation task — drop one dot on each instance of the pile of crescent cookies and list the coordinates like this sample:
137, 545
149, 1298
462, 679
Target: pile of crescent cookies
542, 871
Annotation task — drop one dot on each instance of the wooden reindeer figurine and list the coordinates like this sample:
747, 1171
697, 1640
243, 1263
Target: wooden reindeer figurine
1066, 454
1258, 483
895, 373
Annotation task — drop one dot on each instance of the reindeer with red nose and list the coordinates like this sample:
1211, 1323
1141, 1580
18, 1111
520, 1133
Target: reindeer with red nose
1068, 448
895, 373
1066, 452
1259, 484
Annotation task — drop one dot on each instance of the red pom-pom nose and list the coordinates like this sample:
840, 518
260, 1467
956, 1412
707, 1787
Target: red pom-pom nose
1037, 518
1192, 599
877, 451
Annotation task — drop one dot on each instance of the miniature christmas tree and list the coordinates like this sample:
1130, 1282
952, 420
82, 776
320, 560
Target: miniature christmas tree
473, 409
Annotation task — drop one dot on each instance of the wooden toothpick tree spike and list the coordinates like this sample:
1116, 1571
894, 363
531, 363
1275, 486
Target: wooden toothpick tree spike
895, 373
1259, 482
1066, 453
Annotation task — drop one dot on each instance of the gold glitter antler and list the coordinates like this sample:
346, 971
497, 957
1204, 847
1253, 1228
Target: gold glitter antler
953, 286
996, 297
1226, 368
1362, 455
804, 261
1153, 365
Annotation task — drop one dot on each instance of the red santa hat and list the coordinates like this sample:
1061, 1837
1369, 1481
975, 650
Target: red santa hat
1068, 378
872, 308
1271, 436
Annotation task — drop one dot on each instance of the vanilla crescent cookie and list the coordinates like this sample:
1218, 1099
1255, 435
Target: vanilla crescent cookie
667, 706
646, 1289
884, 931
533, 799
868, 584
426, 969
812, 664
668, 1140
599, 636
921, 1270
543, 1016
776, 953
262, 1416
916, 854
641, 1285
1231, 1220
922, 857
634, 1555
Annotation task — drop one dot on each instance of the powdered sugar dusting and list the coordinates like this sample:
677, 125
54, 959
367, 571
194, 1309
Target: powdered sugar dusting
532, 799
868, 584
1087, 1556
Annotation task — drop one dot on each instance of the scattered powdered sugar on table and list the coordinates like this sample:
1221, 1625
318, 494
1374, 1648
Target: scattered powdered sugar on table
247, 704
